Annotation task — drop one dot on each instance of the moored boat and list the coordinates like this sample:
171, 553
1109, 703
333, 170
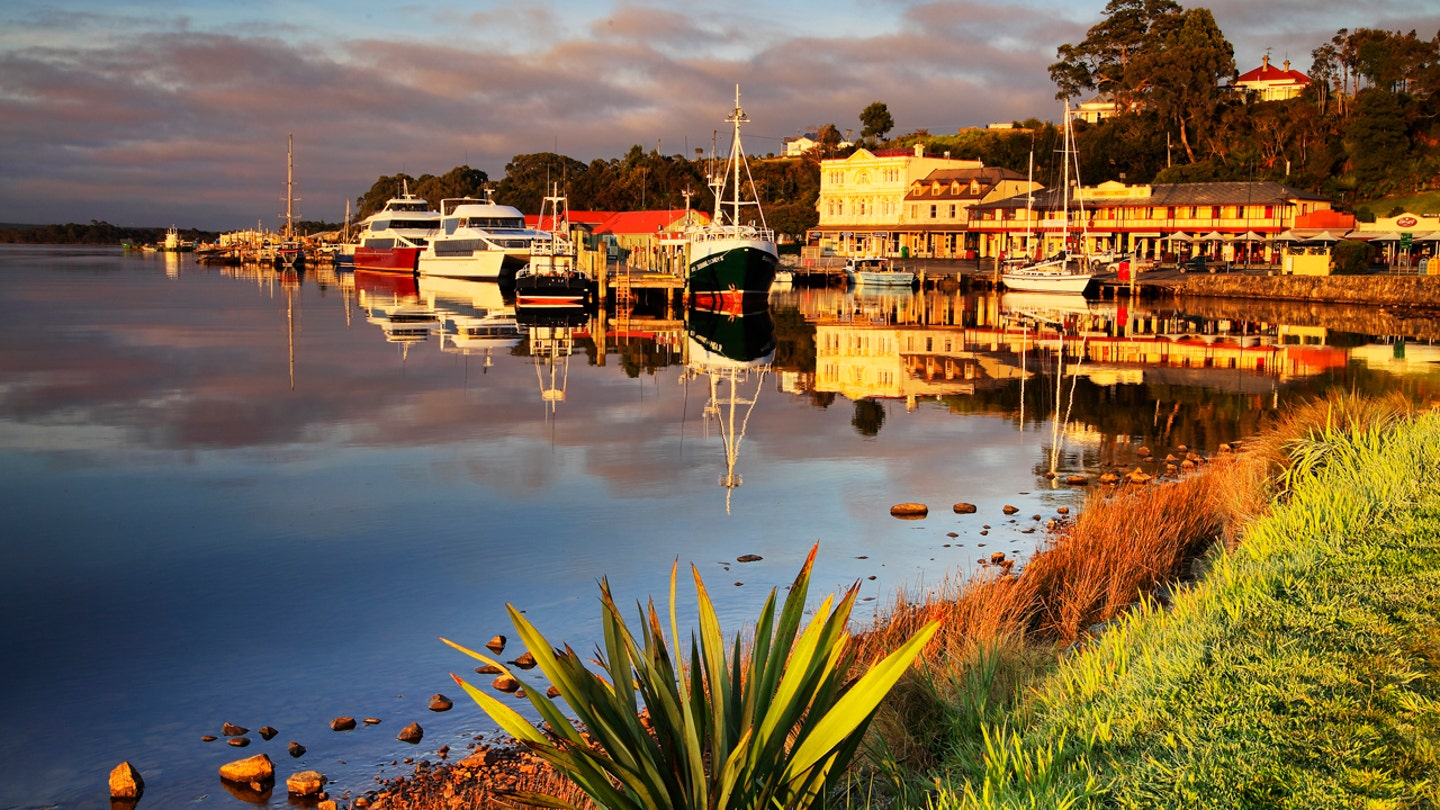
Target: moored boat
730, 258
873, 271
552, 279
391, 239
1064, 271
478, 239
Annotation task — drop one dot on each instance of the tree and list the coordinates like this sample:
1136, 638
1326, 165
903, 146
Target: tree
1184, 74
529, 179
877, 120
461, 181
1376, 140
1102, 61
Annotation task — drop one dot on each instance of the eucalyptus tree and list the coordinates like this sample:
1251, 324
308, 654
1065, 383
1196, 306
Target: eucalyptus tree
1103, 61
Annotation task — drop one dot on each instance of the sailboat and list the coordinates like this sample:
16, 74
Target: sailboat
1065, 271
290, 255
729, 259
730, 350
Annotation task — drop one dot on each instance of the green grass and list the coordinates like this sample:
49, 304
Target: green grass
1426, 202
1304, 671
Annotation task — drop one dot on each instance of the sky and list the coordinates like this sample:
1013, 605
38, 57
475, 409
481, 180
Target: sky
147, 114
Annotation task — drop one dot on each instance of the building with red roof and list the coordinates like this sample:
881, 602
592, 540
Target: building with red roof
1269, 83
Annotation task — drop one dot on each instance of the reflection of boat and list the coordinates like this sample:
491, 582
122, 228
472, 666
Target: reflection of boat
552, 278
478, 239
473, 316
552, 341
728, 257
393, 303
872, 272
391, 240
1066, 271
1050, 307
729, 351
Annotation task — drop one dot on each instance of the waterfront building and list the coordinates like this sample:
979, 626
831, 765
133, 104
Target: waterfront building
1231, 221
937, 208
1269, 83
862, 200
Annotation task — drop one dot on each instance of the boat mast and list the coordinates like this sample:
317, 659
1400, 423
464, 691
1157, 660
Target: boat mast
290, 188
737, 156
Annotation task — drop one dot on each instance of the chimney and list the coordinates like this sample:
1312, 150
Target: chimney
919, 150
1265, 61
1287, 65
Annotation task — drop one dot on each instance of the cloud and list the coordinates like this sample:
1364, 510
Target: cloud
108, 116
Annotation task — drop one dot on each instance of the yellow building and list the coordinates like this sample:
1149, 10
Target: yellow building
1159, 221
862, 199
938, 208
1269, 83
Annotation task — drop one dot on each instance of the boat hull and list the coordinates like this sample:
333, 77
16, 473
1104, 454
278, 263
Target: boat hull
1047, 282
387, 260
561, 290
748, 268
890, 280
478, 265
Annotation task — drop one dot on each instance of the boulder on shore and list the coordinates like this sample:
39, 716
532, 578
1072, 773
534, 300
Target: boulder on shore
257, 771
411, 733
306, 783
909, 511
125, 782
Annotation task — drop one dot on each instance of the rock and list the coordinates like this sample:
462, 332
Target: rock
1010, 510
496, 644
231, 730
951, 534
1143, 451
749, 558
125, 782
965, 508
1064, 510
443, 751
297, 750
526, 661
328, 804
411, 733
440, 703
984, 532
997, 557
267, 733
239, 742
1138, 476
256, 793
255, 771
1109, 478
306, 783
371, 721
1225, 447
208, 738
909, 511
1076, 480
552, 692
488, 669
505, 683
342, 723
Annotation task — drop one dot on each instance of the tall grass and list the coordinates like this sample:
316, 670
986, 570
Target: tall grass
1303, 671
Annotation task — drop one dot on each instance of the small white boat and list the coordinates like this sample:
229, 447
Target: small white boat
871, 271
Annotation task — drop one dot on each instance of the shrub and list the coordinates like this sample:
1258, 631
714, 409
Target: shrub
719, 729
1351, 258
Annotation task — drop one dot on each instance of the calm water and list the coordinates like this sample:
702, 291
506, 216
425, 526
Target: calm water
226, 497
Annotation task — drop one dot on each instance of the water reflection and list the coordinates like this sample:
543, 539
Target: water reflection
732, 347
551, 336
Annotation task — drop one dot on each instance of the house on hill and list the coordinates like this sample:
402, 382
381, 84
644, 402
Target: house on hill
1269, 83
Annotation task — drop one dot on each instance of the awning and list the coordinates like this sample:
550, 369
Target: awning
1213, 236
1250, 236
1374, 236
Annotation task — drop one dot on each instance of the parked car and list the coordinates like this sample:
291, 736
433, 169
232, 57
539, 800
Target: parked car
1202, 264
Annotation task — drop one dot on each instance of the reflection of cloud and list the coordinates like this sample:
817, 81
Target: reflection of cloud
136, 122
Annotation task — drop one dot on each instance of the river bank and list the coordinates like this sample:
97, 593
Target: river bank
1298, 670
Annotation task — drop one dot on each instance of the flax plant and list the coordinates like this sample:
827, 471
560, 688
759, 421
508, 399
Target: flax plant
769, 727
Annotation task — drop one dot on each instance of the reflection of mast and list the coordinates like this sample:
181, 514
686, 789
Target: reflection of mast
290, 324
729, 348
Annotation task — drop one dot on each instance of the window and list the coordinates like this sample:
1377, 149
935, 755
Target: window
932, 211
952, 211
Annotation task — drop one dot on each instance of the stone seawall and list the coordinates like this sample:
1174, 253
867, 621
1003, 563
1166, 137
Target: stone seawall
1383, 290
